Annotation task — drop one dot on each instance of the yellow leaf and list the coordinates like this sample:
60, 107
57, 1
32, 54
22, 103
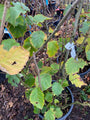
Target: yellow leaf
77, 80
58, 33
87, 48
80, 40
62, 63
45, 38
88, 41
50, 30
10, 104
13, 61
82, 10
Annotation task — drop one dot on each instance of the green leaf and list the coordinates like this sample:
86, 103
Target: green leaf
44, 109
57, 88
9, 43
87, 14
56, 101
88, 41
88, 55
30, 20
18, 31
40, 18
52, 48
45, 81
53, 69
73, 66
37, 39
13, 79
58, 113
67, 8
22, 5
85, 27
36, 110
28, 92
40, 64
20, 21
37, 98
48, 97
16, 11
55, 66
49, 115
87, 50
63, 82
27, 45
29, 80
77, 80
46, 69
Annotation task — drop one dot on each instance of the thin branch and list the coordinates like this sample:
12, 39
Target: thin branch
25, 85
43, 7
58, 26
77, 18
76, 102
38, 71
74, 33
3, 21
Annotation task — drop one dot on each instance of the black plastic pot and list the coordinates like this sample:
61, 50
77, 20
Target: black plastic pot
83, 74
70, 110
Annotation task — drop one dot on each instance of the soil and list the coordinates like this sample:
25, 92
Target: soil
14, 105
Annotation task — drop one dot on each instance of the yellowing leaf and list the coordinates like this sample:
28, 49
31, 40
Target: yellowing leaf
87, 48
82, 11
50, 30
62, 63
72, 66
77, 80
13, 61
45, 38
80, 40
52, 48
58, 33
88, 41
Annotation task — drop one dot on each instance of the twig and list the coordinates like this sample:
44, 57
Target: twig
77, 18
43, 7
76, 102
38, 72
74, 33
25, 85
3, 21
57, 28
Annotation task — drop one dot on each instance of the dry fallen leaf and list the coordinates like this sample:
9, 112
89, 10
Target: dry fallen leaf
10, 104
